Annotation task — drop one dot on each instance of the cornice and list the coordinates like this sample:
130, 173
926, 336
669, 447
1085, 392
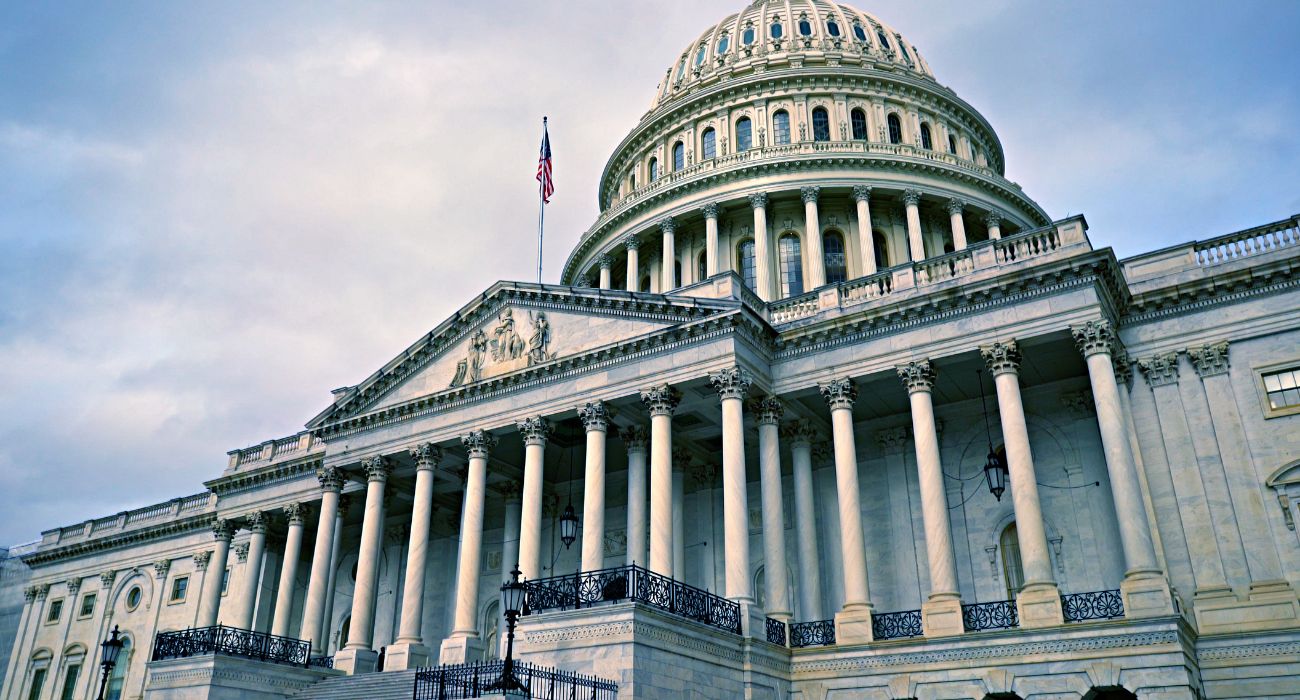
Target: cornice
1214, 290
263, 476
170, 528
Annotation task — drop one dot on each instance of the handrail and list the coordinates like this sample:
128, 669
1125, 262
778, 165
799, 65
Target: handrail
473, 680
896, 625
1095, 605
812, 634
231, 641
1001, 614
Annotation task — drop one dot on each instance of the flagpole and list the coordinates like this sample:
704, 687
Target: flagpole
541, 214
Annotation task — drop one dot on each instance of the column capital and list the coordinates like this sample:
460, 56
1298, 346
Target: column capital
799, 432
911, 197
1209, 360
106, 579
256, 522
635, 437
1159, 370
426, 455
731, 382
223, 529
768, 410
241, 552
29, 593
595, 415
861, 193
758, 200
535, 430
344, 501
839, 393
582, 280
631, 242
42, 590
377, 468
295, 513
955, 206
1123, 363
897, 437
201, 560
161, 567
993, 218
511, 490
810, 193
330, 478
74, 584
704, 474
1094, 337
667, 225
478, 443
661, 400
1001, 357
916, 376
604, 261
710, 210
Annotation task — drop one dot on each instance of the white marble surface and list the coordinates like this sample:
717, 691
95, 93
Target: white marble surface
313, 611
593, 502
779, 605
661, 494
934, 500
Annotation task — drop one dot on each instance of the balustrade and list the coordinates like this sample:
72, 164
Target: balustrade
1254, 241
1097, 605
776, 633
946, 267
475, 680
990, 616
230, 641
632, 583
1026, 245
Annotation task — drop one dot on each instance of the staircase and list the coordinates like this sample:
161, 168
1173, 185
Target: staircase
393, 685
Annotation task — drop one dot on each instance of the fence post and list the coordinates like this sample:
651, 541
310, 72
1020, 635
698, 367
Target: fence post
577, 593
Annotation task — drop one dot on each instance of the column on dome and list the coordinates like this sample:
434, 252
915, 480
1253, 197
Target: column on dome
635, 438
595, 420
256, 524
993, 220
710, 212
762, 248
941, 613
295, 514
535, 431
732, 384
768, 412
1039, 601
313, 611
800, 435
667, 265
661, 401
915, 243
1145, 589
955, 207
464, 645
633, 244
853, 621
866, 241
410, 651
813, 238
210, 603
357, 656
605, 262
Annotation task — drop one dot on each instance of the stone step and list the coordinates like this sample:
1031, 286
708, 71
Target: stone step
394, 685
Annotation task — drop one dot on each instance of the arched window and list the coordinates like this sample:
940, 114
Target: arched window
748, 36
781, 128
895, 129
679, 156
902, 50
926, 143
833, 257
832, 27
791, 265
631, 180
681, 70
745, 253
654, 169
858, 119
883, 40
1012, 570
952, 144
881, 246
776, 30
860, 33
113, 691
821, 125
699, 55
744, 134
40, 672
73, 660
677, 274
708, 144
702, 267
805, 28
645, 283
723, 44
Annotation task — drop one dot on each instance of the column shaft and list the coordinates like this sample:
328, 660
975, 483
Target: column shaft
327, 611
813, 239
857, 591
636, 496
732, 385
934, 498
805, 519
667, 267
243, 617
509, 550
417, 556
958, 225
762, 249
915, 243
711, 240
633, 266
679, 520
595, 420
661, 494
1024, 482
605, 276
284, 593
866, 241
769, 463
361, 629
535, 431
471, 545
313, 611
210, 603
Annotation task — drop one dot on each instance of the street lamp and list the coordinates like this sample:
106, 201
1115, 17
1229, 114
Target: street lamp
513, 594
112, 648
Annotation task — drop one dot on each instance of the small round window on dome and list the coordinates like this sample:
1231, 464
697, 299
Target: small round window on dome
859, 32
833, 28
699, 56
776, 30
748, 37
805, 27
723, 44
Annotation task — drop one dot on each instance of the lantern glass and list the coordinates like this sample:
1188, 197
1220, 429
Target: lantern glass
568, 526
996, 474
112, 647
512, 594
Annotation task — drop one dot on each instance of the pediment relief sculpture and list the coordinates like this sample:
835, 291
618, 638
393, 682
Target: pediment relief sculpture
503, 349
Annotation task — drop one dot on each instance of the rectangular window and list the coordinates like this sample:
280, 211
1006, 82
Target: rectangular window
38, 684
56, 611
225, 582
70, 682
180, 585
1282, 389
87, 605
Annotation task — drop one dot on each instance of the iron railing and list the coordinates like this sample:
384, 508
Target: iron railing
776, 632
812, 634
1097, 605
990, 616
476, 679
231, 642
321, 662
632, 583
896, 625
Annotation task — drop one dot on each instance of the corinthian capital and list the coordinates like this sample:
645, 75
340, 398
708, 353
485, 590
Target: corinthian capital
635, 437
810, 194
767, 410
74, 585
535, 430
296, 513
911, 197
160, 568
799, 432
29, 593
478, 443
1209, 360
861, 193
955, 206
1001, 357
256, 522
731, 382
426, 455
839, 393
604, 261
1094, 337
661, 400
993, 218
667, 225
241, 552
916, 376
894, 438
223, 529
594, 416
631, 242
201, 560
1123, 369
106, 579
710, 210
1159, 370
377, 468
330, 478
758, 201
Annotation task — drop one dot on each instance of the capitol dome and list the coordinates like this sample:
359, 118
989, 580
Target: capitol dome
797, 144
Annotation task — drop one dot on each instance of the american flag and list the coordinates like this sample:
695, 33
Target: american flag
544, 167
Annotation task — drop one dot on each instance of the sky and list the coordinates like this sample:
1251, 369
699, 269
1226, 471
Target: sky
213, 213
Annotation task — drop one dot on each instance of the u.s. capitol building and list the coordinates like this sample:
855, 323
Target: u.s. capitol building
840, 411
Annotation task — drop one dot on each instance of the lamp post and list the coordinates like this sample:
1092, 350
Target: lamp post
995, 469
512, 600
111, 647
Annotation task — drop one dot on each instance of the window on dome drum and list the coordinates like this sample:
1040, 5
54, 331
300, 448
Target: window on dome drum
895, 129
744, 134
699, 55
654, 169
926, 143
776, 30
781, 128
884, 41
631, 180
902, 49
952, 144
180, 585
1012, 570
833, 257
748, 36
745, 252
821, 125
56, 611
860, 33
87, 605
708, 144
681, 70
791, 266
859, 121
70, 682
723, 44
833, 27
1283, 391
805, 28
881, 247
679, 156
701, 267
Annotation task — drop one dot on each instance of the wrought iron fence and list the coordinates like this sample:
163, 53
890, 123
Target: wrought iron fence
231, 642
321, 661
776, 632
812, 634
896, 625
990, 616
476, 679
631, 583
1097, 605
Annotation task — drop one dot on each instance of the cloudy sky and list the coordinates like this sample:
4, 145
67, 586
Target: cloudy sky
212, 213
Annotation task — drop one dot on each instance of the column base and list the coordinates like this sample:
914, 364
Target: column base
1039, 605
941, 616
853, 625
406, 655
1146, 594
355, 661
1269, 605
460, 650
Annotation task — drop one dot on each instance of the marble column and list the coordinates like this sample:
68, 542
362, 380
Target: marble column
993, 220
210, 602
732, 385
1145, 589
768, 412
668, 228
955, 207
661, 401
595, 420
680, 460
357, 656
635, 438
762, 248
633, 264
535, 431
915, 243
410, 651
941, 612
813, 238
327, 613
463, 645
313, 611
295, 513
511, 494
1039, 601
256, 524
605, 262
800, 435
853, 621
866, 242
710, 211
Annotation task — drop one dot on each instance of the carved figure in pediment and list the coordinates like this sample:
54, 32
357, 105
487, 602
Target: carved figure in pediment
506, 343
470, 369
540, 340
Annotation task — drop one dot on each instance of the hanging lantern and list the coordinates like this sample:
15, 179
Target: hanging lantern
995, 473
568, 526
